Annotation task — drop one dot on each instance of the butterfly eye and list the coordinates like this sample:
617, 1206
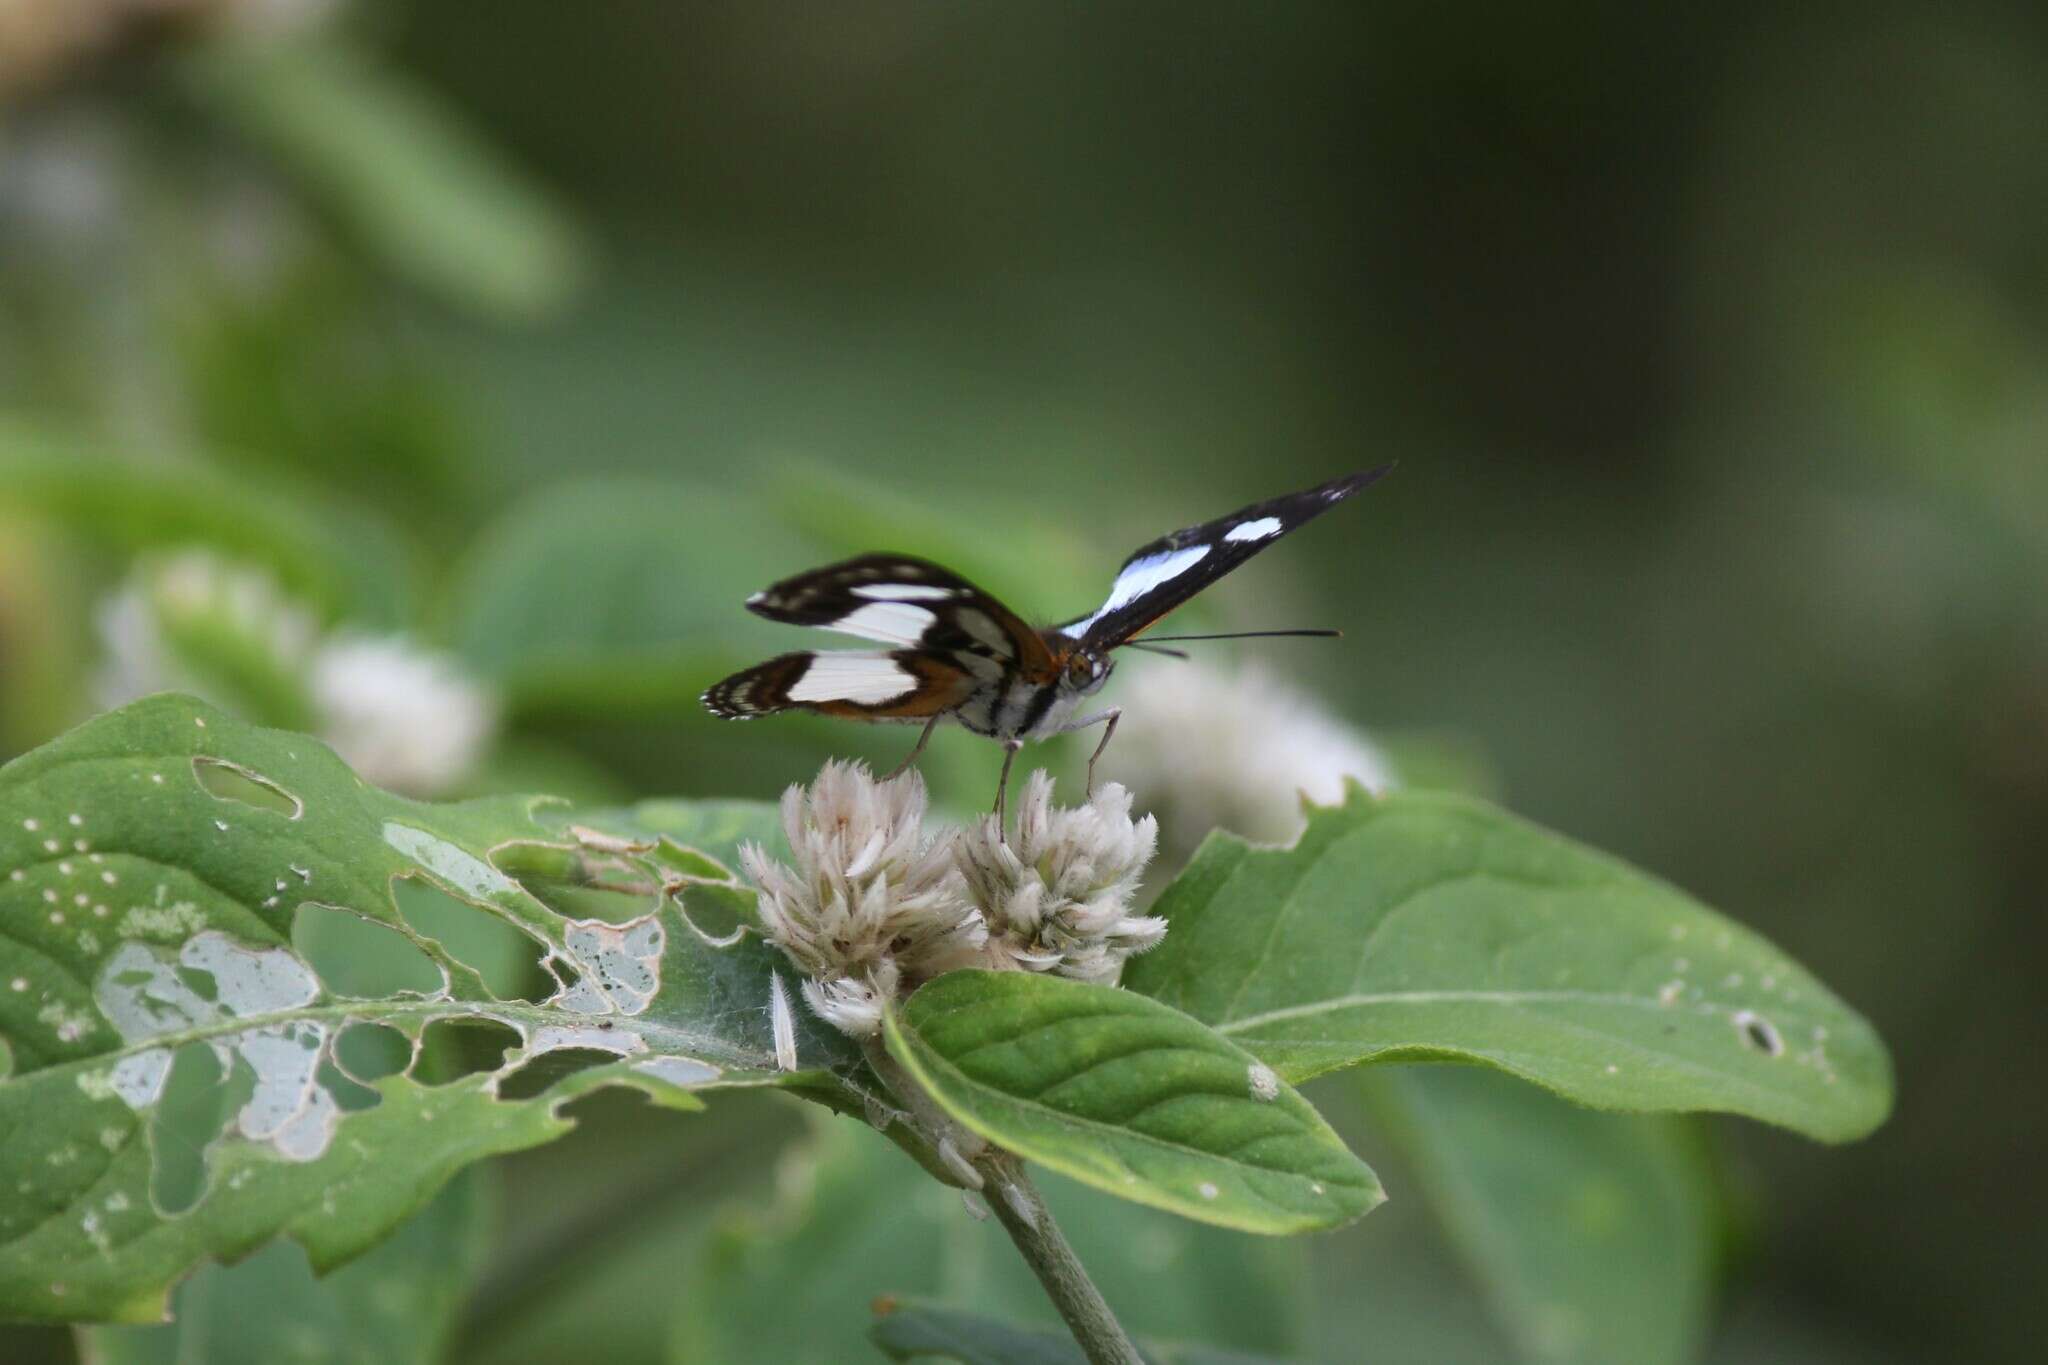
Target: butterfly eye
1080, 668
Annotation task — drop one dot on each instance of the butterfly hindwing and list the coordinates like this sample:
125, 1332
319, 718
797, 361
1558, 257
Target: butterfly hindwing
903, 684
1160, 576
904, 601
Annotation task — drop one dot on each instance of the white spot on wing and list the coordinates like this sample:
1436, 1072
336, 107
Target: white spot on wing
1265, 528
1142, 576
903, 592
868, 679
893, 623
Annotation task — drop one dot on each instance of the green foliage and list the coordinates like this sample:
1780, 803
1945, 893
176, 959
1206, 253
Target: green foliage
341, 567
1429, 927
1592, 1235
396, 1305
927, 1331
1133, 1098
172, 1054
224, 1024
389, 160
855, 1224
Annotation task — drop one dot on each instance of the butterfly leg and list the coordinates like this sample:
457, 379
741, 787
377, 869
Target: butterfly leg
1010, 748
1112, 715
915, 750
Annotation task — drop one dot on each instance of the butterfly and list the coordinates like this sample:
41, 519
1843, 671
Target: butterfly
956, 652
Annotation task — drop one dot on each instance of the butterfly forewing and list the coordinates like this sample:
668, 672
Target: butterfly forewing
1160, 576
901, 600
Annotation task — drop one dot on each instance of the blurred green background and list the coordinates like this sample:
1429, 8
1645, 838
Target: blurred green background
1712, 343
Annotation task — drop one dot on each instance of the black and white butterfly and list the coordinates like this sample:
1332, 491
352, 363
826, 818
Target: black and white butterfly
956, 652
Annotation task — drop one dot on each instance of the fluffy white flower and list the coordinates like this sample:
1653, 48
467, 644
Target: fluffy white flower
1236, 748
402, 716
1057, 897
873, 905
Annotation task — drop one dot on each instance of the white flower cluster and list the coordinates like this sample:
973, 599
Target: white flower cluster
872, 899
1264, 745
1057, 897
402, 716
875, 906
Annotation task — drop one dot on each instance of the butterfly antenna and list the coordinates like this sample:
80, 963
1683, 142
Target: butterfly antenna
1156, 649
1244, 635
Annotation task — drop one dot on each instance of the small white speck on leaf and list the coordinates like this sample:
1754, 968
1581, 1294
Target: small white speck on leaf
1208, 1190
1264, 1084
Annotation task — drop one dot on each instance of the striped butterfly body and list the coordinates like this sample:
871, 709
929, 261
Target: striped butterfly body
956, 652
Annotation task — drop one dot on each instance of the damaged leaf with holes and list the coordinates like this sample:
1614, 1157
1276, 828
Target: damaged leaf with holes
243, 993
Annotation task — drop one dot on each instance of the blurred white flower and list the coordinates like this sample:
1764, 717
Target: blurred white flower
1057, 897
403, 717
187, 590
1236, 748
873, 905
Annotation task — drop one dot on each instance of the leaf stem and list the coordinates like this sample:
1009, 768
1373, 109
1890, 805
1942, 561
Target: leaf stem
1023, 1214
1022, 1211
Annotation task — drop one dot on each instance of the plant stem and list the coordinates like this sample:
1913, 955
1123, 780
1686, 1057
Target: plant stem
1018, 1206
1023, 1214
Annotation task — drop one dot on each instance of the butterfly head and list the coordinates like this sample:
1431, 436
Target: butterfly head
1085, 671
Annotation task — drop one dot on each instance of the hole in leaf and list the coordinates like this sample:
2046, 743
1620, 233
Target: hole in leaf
349, 1096
1758, 1032
232, 782
356, 956
545, 1071
451, 1049
370, 1052
492, 947
717, 911
199, 1104
691, 863
582, 883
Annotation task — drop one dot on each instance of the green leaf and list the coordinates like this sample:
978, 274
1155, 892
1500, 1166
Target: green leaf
397, 1305
1592, 1235
341, 565
1133, 1098
856, 1220
1429, 927
181, 1078
916, 1330
394, 163
619, 592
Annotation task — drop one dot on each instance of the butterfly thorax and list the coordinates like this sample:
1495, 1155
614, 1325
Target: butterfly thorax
1016, 704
